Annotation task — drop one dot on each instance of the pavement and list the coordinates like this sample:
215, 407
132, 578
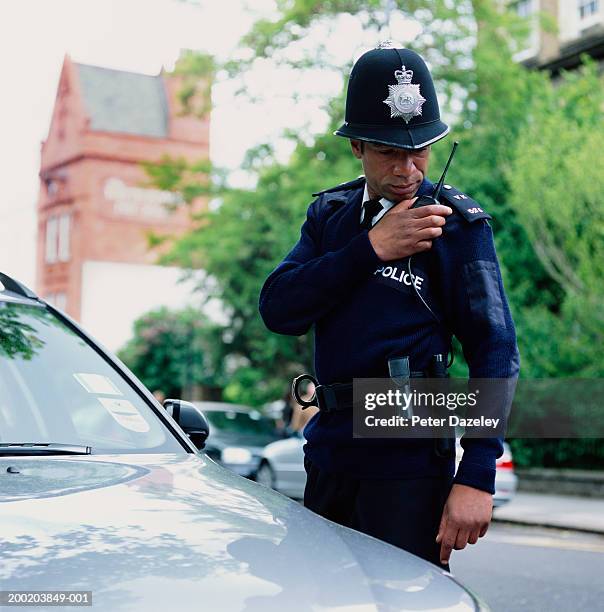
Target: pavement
559, 511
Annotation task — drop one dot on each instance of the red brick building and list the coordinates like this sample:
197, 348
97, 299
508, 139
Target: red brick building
96, 207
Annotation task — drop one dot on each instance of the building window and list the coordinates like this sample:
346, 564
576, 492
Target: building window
524, 8
529, 47
52, 232
61, 301
58, 300
58, 229
64, 231
587, 8
52, 187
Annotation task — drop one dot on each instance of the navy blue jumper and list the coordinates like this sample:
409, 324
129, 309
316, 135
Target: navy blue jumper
365, 311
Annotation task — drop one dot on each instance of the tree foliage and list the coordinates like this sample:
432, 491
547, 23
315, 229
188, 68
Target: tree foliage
557, 181
172, 351
197, 71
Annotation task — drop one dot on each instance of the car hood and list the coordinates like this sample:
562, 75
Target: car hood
156, 532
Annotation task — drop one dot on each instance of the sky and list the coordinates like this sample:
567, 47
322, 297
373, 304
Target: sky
140, 36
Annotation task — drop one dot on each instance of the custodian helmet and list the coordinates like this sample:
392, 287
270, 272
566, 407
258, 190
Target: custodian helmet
391, 100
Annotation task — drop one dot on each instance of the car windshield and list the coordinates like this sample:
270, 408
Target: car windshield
56, 389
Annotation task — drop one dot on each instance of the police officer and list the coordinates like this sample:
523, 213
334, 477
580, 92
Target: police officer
348, 277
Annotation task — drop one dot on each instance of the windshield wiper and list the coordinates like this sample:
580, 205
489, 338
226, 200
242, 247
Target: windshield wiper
34, 448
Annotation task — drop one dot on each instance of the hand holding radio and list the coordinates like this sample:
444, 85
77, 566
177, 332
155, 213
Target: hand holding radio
405, 230
410, 228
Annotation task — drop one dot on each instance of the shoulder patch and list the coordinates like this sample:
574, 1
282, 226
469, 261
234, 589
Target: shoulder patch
358, 182
469, 209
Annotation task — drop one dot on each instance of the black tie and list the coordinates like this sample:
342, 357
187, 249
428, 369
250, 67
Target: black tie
371, 208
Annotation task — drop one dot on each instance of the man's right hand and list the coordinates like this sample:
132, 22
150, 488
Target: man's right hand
404, 231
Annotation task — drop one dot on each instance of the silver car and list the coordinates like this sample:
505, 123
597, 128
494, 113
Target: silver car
282, 468
239, 434
103, 493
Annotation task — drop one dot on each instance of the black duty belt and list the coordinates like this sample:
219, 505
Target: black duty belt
330, 398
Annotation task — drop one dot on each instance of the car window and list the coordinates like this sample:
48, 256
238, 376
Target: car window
240, 422
55, 388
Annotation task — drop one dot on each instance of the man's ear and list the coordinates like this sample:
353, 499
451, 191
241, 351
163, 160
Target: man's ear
357, 148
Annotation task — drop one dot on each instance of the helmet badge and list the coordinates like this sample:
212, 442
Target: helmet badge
404, 98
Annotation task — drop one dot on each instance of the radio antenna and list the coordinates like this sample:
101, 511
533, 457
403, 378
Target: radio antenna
441, 182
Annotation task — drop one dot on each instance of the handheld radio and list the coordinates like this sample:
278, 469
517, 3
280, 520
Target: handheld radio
426, 200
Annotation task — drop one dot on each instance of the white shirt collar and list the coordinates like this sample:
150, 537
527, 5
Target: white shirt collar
386, 204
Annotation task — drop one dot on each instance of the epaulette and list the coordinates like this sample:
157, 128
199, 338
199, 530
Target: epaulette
464, 204
358, 182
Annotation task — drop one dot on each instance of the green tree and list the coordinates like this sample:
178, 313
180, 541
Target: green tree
557, 181
172, 351
497, 111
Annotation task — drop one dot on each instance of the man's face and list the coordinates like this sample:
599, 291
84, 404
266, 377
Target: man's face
391, 173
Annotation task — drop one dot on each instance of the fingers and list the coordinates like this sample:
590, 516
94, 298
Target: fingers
429, 221
453, 538
445, 539
461, 541
442, 527
431, 209
404, 232
402, 205
427, 233
483, 530
446, 545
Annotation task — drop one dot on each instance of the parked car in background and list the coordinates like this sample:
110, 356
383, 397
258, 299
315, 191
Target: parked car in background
239, 435
282, 468
506, 481
103, 493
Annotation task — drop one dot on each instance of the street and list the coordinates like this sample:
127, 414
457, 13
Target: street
532, 568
